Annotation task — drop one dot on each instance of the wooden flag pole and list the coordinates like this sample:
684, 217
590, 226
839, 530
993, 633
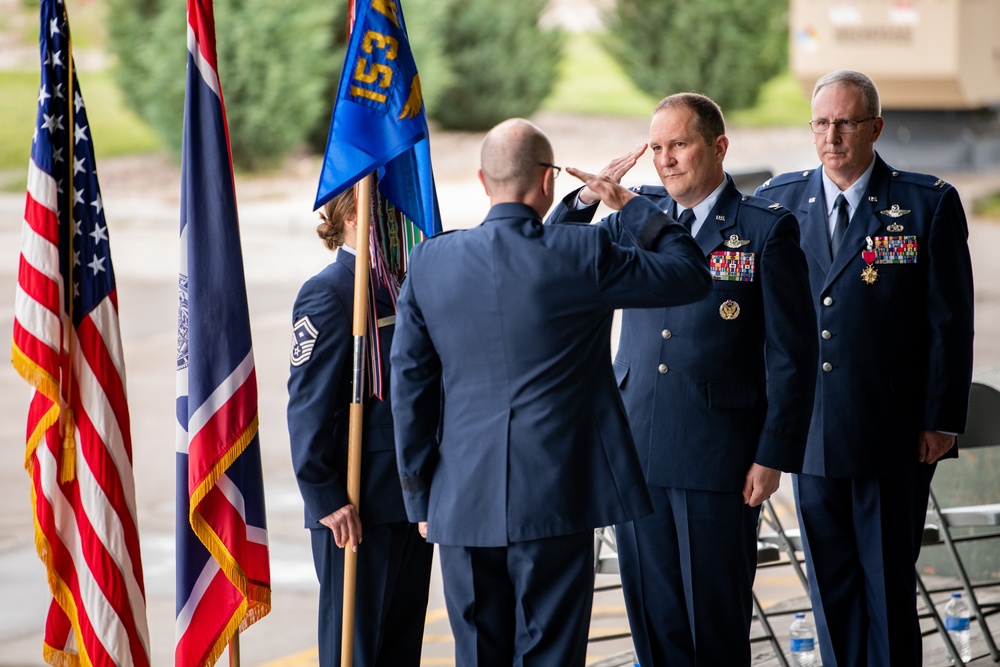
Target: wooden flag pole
362, 272
234, 650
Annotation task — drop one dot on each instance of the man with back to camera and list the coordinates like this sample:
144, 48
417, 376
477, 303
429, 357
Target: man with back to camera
718, 395
512, 440
891, 277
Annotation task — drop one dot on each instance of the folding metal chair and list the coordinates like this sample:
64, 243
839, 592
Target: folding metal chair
606, 562
776, 547
767, 553
950, 525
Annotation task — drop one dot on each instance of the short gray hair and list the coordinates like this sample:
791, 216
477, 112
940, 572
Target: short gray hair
864, 84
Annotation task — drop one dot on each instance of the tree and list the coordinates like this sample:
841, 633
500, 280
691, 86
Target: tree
274, 65
725, 49
499, 62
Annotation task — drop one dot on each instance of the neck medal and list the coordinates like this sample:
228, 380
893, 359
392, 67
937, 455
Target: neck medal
870, 274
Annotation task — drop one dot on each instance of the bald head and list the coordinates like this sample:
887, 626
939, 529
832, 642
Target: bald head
510, 159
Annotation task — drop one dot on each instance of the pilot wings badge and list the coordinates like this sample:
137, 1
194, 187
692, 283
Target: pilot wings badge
736, 242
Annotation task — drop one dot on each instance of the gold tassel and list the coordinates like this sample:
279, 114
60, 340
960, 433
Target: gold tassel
68, 464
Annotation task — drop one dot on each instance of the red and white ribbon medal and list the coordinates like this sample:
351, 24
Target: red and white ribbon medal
870, 274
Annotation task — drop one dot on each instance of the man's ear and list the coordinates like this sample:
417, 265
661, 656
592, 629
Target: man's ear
482, 179
547, 183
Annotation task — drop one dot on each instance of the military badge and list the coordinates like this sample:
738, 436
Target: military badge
870, 273
729, 310
775, 206
735, 241
895, 211
733, 266
720, 218
896, 249
304, 336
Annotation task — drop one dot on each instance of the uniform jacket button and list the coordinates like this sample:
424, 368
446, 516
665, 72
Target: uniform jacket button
828, 301
662, 368
666, 334
826, 335
827, 366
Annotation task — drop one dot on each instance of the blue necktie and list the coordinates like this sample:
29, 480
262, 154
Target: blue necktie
840, 226
687, 219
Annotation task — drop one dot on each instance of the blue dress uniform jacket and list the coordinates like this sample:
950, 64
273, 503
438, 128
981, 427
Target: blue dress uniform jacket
710, 388
394, 562
895, 355
895, 323
319, 389
707, 396
509, 426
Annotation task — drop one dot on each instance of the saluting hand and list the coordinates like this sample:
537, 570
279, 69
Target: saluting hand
607, 189
615, 171
346, 526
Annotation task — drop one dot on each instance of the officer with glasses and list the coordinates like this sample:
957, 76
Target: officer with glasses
891, 279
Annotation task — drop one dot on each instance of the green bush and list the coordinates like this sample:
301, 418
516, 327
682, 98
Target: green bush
726, 50
499, 62
275, 67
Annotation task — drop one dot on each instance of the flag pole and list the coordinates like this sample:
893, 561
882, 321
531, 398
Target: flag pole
234, 650
362, 272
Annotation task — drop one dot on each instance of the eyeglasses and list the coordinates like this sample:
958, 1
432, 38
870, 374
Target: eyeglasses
555, 170
822, 125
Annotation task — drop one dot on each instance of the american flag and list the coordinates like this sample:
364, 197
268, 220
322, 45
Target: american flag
223, 573
68, 346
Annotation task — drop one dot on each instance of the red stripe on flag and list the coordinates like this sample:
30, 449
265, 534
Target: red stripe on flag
231, 529
211, 444
221, 601
41, 219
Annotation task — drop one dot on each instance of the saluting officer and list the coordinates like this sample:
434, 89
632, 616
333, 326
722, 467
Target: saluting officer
394, 561
718, 394
892, 282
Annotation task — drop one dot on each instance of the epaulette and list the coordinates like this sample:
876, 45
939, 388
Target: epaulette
762, 203
786, 178
916, 178
650, 190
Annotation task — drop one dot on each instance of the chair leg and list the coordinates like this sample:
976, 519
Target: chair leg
769, 633
786, 545
932, 610
970, 595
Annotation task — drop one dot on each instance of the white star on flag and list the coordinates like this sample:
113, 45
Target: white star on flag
99, 233
97, 264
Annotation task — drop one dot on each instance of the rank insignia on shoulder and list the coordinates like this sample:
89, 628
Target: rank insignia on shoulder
735, 241
304, 335
775, 205
766, 183
939, 183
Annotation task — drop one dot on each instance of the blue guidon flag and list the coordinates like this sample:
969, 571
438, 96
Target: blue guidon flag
223, 571
378, 118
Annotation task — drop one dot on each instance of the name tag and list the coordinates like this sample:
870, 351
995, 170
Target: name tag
895, 249
732, 265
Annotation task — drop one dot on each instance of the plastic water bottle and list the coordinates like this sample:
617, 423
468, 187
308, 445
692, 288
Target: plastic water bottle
956, 622
803, 642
